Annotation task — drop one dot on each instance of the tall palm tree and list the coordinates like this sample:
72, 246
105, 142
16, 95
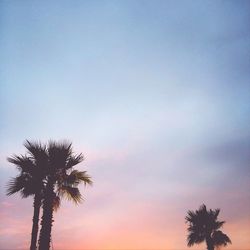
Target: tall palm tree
204, 226
30, 181
62, 181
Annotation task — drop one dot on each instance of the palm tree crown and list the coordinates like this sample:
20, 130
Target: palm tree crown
204, 226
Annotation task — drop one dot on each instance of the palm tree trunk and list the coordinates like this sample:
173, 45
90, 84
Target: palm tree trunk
47, 218
37, 205
209, 241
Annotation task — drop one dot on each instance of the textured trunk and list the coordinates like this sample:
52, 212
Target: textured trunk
209, 241
47, 218
37, 205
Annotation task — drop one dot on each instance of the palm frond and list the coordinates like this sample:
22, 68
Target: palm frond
202, 209
38, 153
190, 217
219, 238
194, 238
218, 224
56, 202
59, 154
35, 148
215, 213
74, 160
22, 184
14, 185
71, 193
23, 163
76, 177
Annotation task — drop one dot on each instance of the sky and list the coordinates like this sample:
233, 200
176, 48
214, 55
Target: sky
155, 94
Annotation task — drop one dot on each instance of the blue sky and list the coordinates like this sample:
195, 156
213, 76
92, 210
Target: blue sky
154, 93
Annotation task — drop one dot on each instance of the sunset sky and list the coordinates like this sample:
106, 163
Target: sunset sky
156, 94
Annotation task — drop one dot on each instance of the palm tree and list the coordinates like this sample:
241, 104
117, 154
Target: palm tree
204, 226
62, 181
30, 181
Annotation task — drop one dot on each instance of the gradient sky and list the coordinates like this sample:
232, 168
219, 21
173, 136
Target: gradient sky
156, 94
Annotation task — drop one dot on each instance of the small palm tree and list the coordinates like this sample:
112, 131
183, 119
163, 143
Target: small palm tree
62, 181
30, 181
204, 226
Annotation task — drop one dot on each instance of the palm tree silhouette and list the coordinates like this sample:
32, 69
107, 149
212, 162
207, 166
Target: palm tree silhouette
30, 181
62, 181
35, 170
204, 226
